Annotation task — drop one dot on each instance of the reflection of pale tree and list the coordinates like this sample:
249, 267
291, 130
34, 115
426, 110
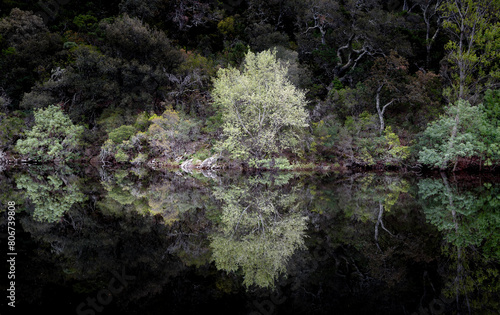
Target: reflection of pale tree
469, 223
52, 195
261, 227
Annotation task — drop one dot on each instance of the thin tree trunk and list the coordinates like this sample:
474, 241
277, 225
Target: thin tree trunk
451, 142
379, 110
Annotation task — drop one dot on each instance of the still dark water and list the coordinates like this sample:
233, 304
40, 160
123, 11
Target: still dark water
134, 241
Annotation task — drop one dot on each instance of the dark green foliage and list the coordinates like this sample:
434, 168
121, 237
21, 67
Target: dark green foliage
492, 107
12, 126
28, 52
122, 133
131, 39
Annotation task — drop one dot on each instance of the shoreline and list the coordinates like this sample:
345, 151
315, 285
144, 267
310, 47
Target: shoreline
321, 167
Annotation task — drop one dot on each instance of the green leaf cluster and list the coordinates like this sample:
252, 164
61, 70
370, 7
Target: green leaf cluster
263, 112
53, 137
475, 136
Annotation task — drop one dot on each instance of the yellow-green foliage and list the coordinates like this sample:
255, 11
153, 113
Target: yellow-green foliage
122, 133
113, 118
226, 26
121, 156
197, 62
169, 133
395, 149
262, 111
275, 163
125, 142
164, 135
142, 122
360, 141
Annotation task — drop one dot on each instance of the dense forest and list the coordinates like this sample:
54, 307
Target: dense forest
271, 84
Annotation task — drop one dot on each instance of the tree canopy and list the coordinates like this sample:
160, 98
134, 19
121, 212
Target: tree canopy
53, 137
263, 112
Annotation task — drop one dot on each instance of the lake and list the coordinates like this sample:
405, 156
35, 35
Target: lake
137, 241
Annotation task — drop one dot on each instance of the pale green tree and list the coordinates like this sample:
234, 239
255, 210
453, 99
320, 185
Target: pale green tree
262, 111
474, 31
473, 26
52, 138
448, 139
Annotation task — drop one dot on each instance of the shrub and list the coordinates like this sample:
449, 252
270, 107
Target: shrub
122, 133
53, 137
169, 133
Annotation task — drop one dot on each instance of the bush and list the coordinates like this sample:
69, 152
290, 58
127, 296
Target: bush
463, 131
122, 133
170, 133
275, 163
360, 142
53, 138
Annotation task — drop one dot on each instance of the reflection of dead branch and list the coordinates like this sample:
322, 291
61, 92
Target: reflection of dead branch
57, 247
380, 223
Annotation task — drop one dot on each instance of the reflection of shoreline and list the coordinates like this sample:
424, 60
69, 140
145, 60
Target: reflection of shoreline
340, 266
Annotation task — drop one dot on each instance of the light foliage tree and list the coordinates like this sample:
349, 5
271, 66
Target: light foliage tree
262, 111
447, 139
473, 45
52, 138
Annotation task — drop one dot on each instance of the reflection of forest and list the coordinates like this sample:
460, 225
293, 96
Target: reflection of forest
469, 218
323, 241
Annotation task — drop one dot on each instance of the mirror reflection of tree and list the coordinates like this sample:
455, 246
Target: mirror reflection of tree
52, 191
346, 257
261, 226
165, 195
469, 220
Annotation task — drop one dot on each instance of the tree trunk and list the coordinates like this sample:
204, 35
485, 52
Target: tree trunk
451, 141
380, 111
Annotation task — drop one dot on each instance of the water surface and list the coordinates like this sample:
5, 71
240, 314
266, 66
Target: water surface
135, 241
